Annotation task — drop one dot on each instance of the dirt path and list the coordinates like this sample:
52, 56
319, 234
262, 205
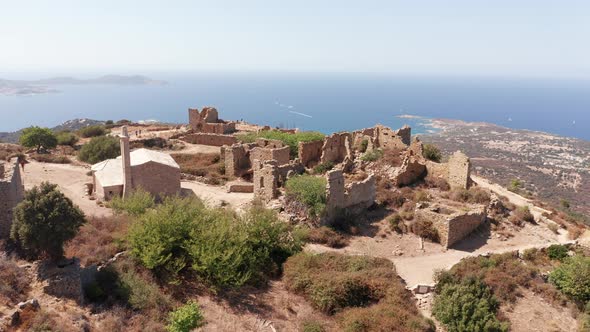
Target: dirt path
69, 178
215, 195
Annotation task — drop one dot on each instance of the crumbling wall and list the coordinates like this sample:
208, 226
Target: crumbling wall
451, 224
207, 121
239, 187
310, 153
11, 193
210, 139
459, 170
280, 155
62, 281
439, 170
386, 138
265, 178
417, 147
287, 170
411, 170
269, 143
336, 148
356, 194
236, 160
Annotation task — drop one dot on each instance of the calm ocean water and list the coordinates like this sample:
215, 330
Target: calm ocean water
328, 102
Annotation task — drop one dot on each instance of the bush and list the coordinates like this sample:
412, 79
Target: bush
50, 158
135, 204
431, 152
66, 138
312, 326
290, 139
425, 229
45, 220
99, 149
309, 190
573, 278
208, 165
185, 318
38, 138
395, 223
467, 306
93, 131
557, 251
522, 215
14, 282
364, 145
224, 249
372, 155
323, 167
326, 235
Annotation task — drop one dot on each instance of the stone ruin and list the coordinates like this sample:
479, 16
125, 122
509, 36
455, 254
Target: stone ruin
355, 195
207, 121
452, 223
11, 193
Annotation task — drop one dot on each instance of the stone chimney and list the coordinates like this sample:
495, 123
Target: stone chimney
126, 162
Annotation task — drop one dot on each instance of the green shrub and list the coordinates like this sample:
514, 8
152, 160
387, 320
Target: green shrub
45, 220
93, 131
364, 145
323, 167
185, 318
290, 139
431, 152
515, 185
135, 204
310, 191
38, 138
467, 306
372, 155
99, 149
66, 138
573, 278
224, 249
395, 222
557, 251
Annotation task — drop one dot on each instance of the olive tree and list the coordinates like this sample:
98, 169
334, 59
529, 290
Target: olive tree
38, 138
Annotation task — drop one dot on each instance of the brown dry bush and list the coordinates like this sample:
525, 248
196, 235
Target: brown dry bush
436, 182
327, 236
425, 229
50, 158
387, 194
42, 320
474, 195
14, 282
521, 215
8, 151
364, 292
391, 157
207, 165
99, 239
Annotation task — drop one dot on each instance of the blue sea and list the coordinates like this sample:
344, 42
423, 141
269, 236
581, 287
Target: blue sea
323, 102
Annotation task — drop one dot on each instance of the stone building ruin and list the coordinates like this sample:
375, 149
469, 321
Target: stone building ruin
354, 195
11, 193
207, 121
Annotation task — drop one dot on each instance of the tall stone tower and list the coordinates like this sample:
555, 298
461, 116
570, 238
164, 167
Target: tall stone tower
126, 162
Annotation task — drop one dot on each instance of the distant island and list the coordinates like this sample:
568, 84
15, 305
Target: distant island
32, 87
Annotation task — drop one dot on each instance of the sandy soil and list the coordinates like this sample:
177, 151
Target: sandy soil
532, 313
216, 195
194, 148
69, 178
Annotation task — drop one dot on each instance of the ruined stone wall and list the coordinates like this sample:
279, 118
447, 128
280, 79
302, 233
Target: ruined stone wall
269, 143
439, 170
310, 153
452, 225
218, 128
265, 179
207, 121
11, 193
356, 194
210, 139
236, 159
357, 142
280, 155
239, 187
336, 148
411, 170
386, 138
158, 179
459, 171
287, 170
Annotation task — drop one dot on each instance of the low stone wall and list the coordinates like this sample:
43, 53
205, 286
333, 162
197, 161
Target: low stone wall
210, 139
452, 225
239, 187
310, 153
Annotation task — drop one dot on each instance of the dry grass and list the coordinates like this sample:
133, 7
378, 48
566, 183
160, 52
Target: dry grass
14, 282
327, 236
207, 165
8, 151
50, 158
521, 216
99, 239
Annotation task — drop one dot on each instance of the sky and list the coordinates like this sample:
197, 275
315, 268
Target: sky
478, 37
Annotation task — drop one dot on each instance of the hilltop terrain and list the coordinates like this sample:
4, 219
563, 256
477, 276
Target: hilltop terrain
551, 167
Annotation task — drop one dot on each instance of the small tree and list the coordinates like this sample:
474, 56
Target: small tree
38, 138
431, 152
45, 220
99, 149
185, 318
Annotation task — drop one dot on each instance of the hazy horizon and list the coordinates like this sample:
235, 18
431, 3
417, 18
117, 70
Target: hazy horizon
458, 37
